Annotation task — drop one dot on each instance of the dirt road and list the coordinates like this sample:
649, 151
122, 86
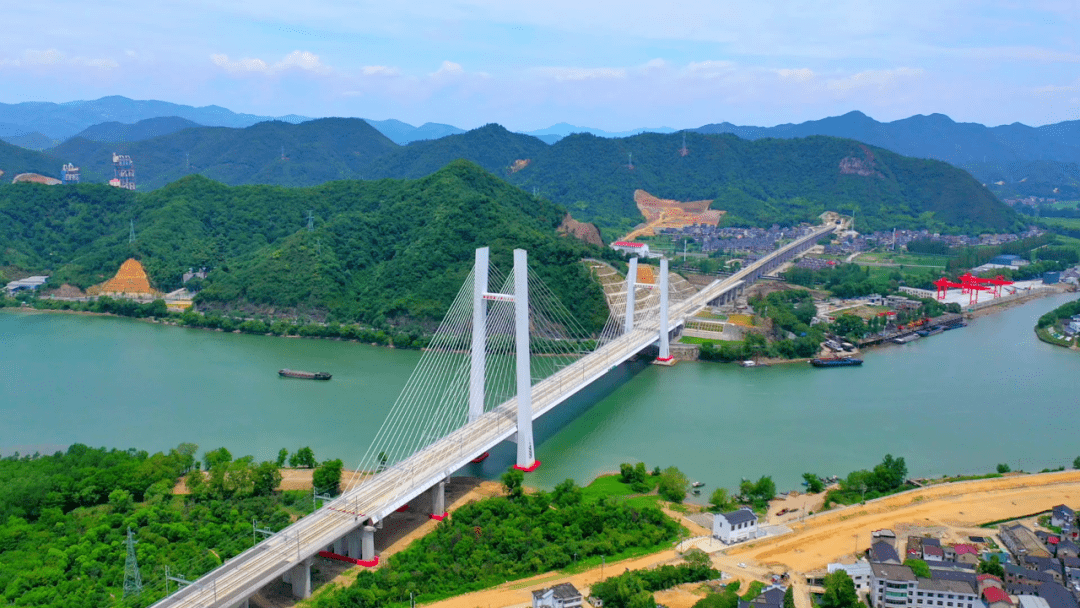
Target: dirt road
835, 534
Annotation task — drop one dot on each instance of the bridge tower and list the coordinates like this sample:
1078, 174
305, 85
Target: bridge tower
664, 357
631, 290
526, 452
526, 456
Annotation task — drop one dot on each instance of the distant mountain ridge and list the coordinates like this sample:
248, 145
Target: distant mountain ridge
63, 120
1048, 156
148, 128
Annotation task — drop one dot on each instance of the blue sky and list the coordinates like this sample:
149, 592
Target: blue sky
613, 65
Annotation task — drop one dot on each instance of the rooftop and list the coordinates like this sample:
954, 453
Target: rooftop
893, 572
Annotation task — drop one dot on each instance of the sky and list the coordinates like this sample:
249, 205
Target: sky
614, 65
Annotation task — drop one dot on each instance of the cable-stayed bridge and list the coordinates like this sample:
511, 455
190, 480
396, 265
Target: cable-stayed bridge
499, 360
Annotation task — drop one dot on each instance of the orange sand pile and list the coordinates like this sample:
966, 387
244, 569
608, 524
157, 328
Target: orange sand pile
646, 274
130, 281
666, 213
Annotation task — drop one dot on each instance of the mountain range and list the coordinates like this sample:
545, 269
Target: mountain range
758, 182
1012, 160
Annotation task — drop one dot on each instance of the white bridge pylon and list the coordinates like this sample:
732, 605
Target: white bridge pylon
501, 336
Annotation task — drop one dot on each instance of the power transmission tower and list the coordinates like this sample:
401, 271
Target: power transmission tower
131, 232
683, 151
630, 160
132, 580
310, 220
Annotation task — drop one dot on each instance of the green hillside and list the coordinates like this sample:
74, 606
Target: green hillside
491, 146
763, 181
316, 152
15, 160
382, 252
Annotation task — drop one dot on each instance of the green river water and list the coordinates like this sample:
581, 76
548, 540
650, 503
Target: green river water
958, 402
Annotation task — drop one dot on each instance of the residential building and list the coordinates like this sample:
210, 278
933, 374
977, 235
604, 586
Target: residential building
893, 586
735, 526
1062, 515
1021, 541
883, 552
771, 597
860, 572
563, 595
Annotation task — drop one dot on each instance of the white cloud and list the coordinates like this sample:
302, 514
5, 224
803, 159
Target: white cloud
448, 69
877, 79
710, 68
54, 57
579, 74
796, 74
300, 60
1026, 54
379, 70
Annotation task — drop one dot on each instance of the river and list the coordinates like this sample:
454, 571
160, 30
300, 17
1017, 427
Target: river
958, 402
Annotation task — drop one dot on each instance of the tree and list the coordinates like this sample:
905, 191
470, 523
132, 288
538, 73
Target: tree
303, 458
1003, 468
764, 488
217, 456
814, 484
839, 591
513, 481
566, 494
991, 567
888, 476
626, 472
1076, 462
266, 478
282, 456
720, 500
789, 597
918, 567
857, 481
673, 484
327, 478
121, 501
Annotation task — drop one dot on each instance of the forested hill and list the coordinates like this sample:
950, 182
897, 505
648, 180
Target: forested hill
15, 160
491, 146
382, 252
280, 153
763, 181
760, 182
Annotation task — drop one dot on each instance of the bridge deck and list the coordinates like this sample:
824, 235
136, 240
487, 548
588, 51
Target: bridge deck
380, 495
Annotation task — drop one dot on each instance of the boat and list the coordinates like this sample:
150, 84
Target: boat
955, 326
836, 362
697, 492
748, 363
294, 373
480, 458
698, 484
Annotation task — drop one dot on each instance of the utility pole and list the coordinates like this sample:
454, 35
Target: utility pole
310, 220
132, 579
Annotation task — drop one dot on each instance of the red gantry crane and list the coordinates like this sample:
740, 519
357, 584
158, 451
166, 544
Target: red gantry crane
944, 285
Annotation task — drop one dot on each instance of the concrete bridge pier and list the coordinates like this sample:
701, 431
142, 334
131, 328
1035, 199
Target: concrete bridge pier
352, 540
300, 577
438, 500
241, 604
338, 546
367, 551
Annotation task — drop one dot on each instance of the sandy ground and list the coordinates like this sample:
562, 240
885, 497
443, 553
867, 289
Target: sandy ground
292, 479
955, 508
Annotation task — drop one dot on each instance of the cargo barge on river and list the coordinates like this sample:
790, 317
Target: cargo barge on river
293, 373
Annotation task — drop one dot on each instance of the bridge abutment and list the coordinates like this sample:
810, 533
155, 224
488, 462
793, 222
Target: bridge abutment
241, 604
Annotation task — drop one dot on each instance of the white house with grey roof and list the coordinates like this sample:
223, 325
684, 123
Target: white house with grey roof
563, 595
735, 526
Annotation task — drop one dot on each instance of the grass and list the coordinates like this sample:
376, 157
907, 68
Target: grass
693, 340
1072, 223
910, 259
608, 485
708, 315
